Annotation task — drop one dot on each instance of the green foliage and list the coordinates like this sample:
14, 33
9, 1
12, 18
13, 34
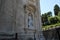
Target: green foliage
45, 18
47, 27
53, 20
50, 19
56, 9
50, 22
49, 14
58, 17
59, 13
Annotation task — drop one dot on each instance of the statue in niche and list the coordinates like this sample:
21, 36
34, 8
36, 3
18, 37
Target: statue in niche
30, 20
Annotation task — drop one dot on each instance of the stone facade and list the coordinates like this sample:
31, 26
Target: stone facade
14, 15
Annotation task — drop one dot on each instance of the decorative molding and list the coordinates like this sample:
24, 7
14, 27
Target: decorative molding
34, 30
30, 8
32, 1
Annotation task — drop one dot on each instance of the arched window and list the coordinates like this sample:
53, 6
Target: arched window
30, 20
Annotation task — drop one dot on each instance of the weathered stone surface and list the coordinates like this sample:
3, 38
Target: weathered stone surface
14, 18
52, 34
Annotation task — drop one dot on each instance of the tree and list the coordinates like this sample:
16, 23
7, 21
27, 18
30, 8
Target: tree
59, 13
56, 9
49, 14
53, 20
45, 19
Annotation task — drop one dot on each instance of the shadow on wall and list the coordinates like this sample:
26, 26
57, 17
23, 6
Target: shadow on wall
30, 39
52, 34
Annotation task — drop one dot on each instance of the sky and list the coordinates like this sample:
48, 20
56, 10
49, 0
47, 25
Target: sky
48, 5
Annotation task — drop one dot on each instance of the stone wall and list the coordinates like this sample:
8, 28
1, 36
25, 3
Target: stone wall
52, 34
13, 18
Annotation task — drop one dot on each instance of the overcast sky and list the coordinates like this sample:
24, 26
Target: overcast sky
48, 5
